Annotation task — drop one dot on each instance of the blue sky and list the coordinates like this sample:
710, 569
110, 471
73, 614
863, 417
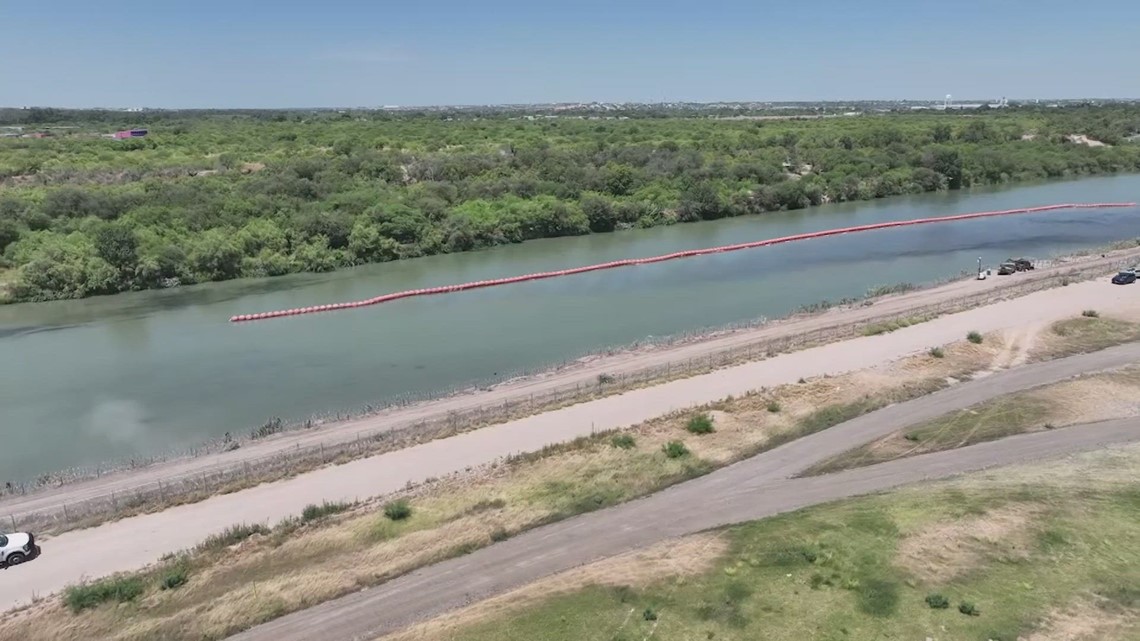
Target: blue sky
255, 53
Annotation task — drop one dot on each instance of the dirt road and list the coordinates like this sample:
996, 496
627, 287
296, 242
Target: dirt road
746, 491
131, 543
1043, 305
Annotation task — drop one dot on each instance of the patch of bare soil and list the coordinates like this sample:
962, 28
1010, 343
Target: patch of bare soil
942, 551
1085, 620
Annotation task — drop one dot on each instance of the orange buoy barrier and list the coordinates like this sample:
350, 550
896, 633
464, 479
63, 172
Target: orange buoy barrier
656, 259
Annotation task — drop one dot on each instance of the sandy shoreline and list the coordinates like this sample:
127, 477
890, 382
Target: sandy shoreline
567, 384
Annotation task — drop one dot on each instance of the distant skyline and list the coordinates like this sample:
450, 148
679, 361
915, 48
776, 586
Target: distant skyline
336, 53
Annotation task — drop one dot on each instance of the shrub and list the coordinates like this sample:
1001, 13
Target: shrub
974, 337
774, 407
604, 379
500, 535
649, 615
675, 449
174, 578
398, 510
623, 441
937, 601
232, 536
969, 609
122, 589
1090, 313
937, 352
313, 512
701, 424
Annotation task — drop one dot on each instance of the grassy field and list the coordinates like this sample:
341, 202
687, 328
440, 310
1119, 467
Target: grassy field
1085, 334
1041, 553
268, 572
1082, 400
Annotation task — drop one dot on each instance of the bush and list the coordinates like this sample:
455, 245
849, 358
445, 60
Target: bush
1090, 313
649, 615
623, 441
937, 352
969, 609
937, 601
974, 337
701, 424
675, 449
774, 407
174, 578
398, 510
604, 379
500, 535
313, 512
123, 589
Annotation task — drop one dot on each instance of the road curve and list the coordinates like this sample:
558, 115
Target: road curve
739, 493
131, 543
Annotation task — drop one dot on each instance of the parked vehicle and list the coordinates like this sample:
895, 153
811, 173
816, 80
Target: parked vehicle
17, 548
1007, 268
1126, 277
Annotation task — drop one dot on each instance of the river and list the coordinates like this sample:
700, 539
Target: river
109, 378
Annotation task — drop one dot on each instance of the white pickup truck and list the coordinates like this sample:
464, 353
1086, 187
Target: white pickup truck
17, 548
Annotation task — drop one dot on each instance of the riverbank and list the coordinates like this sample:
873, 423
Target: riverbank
284, 455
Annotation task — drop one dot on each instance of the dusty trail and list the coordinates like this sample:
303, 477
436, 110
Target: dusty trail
1052, 305
743, 492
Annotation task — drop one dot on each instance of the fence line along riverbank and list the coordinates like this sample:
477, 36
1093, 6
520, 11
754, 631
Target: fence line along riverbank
445, 289
341, 447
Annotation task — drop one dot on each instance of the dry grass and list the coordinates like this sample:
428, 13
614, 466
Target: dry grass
298, 564
943, 551
1086, 399
1084, 334
674, 559
1088, 619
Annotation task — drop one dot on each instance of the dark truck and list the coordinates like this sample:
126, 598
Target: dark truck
1014, 265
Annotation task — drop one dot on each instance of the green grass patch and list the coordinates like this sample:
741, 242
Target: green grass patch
937, 352
675, 449
313, 512
623, 441
700, 424
398, 510
116, 589
975, 337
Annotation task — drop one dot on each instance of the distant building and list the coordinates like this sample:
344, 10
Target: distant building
130, 133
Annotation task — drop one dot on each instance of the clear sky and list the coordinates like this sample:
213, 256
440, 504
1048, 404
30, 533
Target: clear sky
287, 53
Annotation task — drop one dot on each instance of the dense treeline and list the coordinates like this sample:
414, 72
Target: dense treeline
220, 196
